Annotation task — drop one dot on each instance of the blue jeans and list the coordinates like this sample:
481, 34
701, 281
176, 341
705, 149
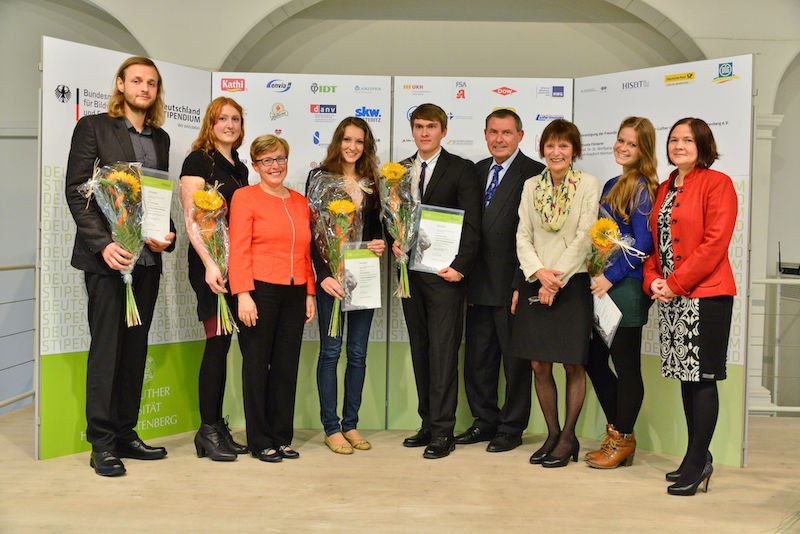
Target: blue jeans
358, 324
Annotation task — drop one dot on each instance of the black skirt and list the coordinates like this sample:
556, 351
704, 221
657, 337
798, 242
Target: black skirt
557, 333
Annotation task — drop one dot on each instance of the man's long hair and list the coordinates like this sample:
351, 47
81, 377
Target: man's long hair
116, 104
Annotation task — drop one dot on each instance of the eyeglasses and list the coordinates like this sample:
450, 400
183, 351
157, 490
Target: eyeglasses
267, 162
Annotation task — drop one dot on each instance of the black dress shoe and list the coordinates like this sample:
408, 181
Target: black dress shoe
473, 435
504, 442
691, 487
265, 456
420, 439
225, 433
673, 476
439, 447
562, 461
139, 450
106, 464
286, 452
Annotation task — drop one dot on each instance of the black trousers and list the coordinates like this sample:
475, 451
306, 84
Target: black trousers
487, 335
117, 355
434, 315
271, 354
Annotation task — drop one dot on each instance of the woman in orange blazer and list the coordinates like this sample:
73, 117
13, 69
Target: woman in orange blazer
690, 276
270, 273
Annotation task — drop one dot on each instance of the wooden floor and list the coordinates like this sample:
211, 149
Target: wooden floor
392, 489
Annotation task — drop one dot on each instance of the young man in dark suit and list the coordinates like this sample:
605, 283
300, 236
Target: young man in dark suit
435, 311
130, 131
490, 293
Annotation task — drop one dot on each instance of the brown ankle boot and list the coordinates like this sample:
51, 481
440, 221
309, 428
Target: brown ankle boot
599, 452
619, 450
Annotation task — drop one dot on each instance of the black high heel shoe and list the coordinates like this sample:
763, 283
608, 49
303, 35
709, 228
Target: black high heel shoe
555, 461
673, 476
225, 433
543, 451
209, 442
691, 488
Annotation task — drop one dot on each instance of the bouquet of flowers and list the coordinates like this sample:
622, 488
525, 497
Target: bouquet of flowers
118, 192
400, 208
334, 220
607, 243
208, 222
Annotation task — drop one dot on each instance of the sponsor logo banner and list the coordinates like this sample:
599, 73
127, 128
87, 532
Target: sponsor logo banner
232, 84
505, 91
725, 73
679, 79
278, 111
326, 89
279, 86
635, 84
369, 114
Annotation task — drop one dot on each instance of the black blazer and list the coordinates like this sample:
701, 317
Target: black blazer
492, 277
106, 138
454, 185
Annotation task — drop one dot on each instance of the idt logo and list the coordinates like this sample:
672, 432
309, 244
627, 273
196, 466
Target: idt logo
323, 108
322, 88
365, 112
279, 86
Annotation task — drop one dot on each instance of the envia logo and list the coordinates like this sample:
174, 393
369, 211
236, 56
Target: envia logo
62, 93
327, 89
323, 108
505, 91
232, 84
279, 86
725, 73
369, 114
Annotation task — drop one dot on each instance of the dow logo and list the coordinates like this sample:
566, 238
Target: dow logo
505, 91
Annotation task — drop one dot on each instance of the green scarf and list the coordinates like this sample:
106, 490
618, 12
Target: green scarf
554, 203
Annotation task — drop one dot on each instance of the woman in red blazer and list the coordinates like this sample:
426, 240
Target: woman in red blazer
693, 218
270, 273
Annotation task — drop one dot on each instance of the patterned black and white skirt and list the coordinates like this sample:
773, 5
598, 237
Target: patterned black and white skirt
694, 337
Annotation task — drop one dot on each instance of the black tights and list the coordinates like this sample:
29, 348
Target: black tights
212, 378
701, 407
620, 395
561, 439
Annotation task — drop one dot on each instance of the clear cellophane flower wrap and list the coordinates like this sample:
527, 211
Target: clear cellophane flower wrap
208, 222
335, 219
117, 190
400, 207
607, 244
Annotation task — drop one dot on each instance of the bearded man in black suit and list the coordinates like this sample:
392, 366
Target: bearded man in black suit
130, 131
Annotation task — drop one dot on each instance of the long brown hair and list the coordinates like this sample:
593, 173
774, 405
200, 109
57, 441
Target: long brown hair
628, 188
367, 164
116, 104
205, 139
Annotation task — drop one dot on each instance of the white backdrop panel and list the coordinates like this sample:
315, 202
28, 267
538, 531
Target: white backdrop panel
717, 91
76, 81
305, 110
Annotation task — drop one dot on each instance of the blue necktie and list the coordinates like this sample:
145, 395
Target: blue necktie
492, 185
422, 180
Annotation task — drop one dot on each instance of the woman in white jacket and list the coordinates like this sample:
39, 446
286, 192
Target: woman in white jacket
554, 303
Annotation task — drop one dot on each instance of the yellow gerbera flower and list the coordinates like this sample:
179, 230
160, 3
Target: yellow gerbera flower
126, 178
207, 200
341, 207
393, 171
604, 233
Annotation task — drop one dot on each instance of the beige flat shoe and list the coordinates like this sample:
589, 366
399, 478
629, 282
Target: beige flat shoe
358, 442
338, 448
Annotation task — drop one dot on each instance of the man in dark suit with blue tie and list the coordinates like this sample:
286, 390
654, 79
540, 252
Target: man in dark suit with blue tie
130, 131
490, 293
435, 311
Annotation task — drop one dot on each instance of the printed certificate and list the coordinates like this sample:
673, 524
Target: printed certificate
361, 279
606, 318
156, 203
438, 237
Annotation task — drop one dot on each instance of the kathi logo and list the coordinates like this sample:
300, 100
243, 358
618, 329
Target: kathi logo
725, 73
461, 90
369, 114
505, 91
279, 86
326, 89
278, 111
63, 93
232, 84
